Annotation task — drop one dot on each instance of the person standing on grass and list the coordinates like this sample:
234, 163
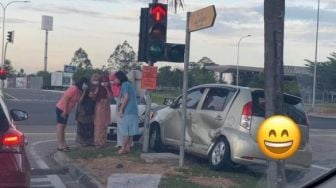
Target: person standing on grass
128, 112
115, 90
64, 107
84, 117
102, 117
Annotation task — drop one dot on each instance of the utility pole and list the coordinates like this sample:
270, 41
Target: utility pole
274, 15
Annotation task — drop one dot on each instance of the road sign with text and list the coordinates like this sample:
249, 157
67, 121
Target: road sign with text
149, 77
202, 18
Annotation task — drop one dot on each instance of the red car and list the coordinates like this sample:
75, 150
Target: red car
14, 164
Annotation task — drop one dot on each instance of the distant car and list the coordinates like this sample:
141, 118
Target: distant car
14, 164
112, 129
223, 121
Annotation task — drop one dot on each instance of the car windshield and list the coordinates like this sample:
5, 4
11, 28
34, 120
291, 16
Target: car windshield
258, 79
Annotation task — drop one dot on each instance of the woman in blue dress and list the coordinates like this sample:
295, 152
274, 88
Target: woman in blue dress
127, 111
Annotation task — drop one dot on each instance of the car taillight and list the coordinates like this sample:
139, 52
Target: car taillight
246, 116
12, 141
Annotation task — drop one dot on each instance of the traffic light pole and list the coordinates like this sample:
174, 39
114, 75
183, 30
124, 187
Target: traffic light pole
148, 108
274, 12
185, 88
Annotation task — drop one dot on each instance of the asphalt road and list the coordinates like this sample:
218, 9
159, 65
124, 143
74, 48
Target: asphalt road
40, 131
39, 104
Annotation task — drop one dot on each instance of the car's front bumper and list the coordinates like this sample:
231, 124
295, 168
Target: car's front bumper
112, 132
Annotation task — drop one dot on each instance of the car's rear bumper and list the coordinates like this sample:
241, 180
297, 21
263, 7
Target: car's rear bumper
14, 170
245, 150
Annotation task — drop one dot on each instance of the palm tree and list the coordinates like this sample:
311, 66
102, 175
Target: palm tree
176, 4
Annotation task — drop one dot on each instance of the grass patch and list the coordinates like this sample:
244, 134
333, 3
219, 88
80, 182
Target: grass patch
243, 177
159, 96
109, 151
177, 182
7, 97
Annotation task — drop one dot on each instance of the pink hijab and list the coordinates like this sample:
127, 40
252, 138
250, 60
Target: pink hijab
115, 88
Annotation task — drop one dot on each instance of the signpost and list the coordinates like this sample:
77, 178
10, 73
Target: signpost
202, 18
149, 79
197, 20
47, 25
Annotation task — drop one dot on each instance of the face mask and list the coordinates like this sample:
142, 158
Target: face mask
85, 87
95, 82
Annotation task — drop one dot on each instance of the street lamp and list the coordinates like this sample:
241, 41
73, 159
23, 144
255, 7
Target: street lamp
3, 26
237, 75
316, 42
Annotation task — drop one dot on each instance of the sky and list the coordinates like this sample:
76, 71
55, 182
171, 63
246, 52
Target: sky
98, 26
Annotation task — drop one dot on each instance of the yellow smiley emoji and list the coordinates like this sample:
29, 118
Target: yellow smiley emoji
279, 137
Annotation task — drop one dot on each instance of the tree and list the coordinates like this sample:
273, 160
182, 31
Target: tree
81, 60
198, 74
123, 58
21, 73
176, 4
86, 73
9, 68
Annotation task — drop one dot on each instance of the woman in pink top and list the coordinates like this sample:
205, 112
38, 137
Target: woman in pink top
63, 108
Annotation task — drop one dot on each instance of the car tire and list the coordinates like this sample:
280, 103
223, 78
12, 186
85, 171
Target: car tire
155, 143
220, 155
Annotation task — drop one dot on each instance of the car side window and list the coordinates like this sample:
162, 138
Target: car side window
216, 99
193, 98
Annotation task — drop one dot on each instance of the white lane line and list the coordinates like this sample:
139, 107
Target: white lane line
14, 98
321, 135
32, 134
321, 167
55, 180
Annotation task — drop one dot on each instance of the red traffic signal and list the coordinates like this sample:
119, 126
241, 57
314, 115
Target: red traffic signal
3, 74
158, 12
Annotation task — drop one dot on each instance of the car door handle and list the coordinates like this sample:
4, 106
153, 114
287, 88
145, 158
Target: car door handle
219, 118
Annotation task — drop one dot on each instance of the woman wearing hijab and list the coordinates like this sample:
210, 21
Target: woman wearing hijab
84, 117
102, 117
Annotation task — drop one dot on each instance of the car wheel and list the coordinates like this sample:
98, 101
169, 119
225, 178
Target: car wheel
155, 143
219, 156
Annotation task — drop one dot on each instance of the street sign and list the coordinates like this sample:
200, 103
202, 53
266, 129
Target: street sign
47, 23
149, 77
69, 68
202, 18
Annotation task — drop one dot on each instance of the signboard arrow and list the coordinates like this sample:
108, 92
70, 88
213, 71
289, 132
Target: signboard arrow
202, 18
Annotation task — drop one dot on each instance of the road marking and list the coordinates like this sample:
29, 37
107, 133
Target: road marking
321, 135
14, 98
54, 179
321, 167
32, 134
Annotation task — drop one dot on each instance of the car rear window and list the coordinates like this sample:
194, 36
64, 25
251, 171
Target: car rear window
292, 107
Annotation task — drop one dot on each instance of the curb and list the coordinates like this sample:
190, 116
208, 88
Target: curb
321, 116
75, 171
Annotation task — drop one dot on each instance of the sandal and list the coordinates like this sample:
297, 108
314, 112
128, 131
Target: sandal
65, 149
122, 151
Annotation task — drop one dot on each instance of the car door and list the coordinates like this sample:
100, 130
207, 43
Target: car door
173, 123
210, 117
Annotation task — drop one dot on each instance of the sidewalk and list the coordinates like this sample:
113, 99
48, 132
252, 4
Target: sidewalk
120, 180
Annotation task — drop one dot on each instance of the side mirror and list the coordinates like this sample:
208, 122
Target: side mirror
18, 115
168, 101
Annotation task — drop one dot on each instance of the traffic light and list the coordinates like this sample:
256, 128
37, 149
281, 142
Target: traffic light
142, 50
3, 74
175, 52
10, 36
157, 31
